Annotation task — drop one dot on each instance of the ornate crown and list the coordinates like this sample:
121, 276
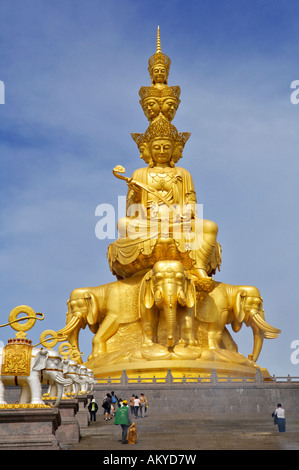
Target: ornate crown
160, 128
166, 92
159, 57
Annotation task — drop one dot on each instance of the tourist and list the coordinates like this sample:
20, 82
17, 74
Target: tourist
136, 406
143, 404
279, 413
93, 408
114, 400
123, 417
132, 404
107, 406
120, 402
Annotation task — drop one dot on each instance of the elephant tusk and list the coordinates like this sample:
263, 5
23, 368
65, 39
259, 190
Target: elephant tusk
55, 336
268, 335
63, 381
263, 325
69, 327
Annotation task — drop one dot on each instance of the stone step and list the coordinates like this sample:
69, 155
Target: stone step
192, 431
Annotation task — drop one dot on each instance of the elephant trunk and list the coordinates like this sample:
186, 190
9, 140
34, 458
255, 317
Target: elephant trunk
77, 383
258, 339
59, 396
170, 299
61, 382
170, 326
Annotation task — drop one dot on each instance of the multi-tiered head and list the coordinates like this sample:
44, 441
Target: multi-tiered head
159, 97
160, 103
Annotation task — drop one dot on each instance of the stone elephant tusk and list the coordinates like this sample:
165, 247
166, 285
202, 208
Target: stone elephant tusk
63, 381
264, 326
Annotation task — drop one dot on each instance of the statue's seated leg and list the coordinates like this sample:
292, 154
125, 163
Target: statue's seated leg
108, 328
204, 252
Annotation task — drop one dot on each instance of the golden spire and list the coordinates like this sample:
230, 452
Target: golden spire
158, 40
159, 58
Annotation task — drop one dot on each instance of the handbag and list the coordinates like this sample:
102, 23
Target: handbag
275, 417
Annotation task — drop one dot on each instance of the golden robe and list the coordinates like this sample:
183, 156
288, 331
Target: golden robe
148, 239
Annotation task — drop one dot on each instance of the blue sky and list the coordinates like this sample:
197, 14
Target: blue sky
72, 71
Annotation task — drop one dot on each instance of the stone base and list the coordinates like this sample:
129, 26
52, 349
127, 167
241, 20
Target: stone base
68, 431
223, 362
82, 416
226, 399
29, 428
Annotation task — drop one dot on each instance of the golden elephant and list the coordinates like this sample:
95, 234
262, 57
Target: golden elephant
137, 300
235, 305
104, 309
168, 288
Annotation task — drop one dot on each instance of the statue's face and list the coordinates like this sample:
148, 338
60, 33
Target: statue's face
169, 108
151, 108
144, 152
178, 152
159, 73
161, 150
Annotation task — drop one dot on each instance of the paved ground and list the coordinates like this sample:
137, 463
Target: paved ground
192, 432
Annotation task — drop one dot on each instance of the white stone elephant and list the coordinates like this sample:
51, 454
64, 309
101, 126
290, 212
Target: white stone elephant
235, 305
91, 381
87, 380
72, 371
45, 367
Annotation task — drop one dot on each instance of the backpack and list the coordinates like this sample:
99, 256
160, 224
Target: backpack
106, 403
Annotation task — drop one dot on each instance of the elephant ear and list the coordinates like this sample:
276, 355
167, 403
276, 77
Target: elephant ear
92, 308
41, 360
148, 290
190, 292
238, 309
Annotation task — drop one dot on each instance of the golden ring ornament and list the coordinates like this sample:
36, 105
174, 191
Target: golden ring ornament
66, 350
49, 338
17, 353
30, 316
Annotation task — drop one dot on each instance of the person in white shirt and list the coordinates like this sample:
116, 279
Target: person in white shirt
281, 419
143, 403
136, 406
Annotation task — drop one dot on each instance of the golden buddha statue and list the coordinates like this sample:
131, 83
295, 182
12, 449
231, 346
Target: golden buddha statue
164, 311
166, 224
161, 218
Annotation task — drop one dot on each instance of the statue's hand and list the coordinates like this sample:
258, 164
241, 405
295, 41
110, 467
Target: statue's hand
134, 187
119, 169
